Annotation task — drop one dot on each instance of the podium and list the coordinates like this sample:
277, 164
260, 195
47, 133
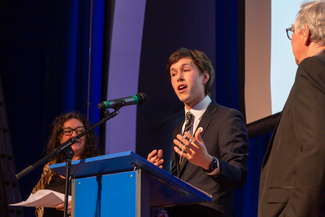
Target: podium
124, 184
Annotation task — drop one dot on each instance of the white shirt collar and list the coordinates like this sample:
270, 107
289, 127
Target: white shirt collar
200, 108
198, 112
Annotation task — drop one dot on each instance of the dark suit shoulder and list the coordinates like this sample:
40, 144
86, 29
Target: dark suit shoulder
311, 71
219, 110
313, 59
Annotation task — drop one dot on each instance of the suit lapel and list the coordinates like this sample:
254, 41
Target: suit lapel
207, 117
269, 147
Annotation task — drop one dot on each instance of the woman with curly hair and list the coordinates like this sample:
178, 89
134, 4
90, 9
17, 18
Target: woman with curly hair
65, 127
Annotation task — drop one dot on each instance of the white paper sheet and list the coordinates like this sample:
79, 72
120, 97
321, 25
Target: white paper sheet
43, 198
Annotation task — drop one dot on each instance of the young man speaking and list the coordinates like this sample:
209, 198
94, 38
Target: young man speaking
211, 145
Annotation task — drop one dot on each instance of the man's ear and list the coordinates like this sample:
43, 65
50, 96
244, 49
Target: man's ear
306, 35
206, 77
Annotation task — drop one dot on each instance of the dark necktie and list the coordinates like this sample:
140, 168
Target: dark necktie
188, 124
188, 127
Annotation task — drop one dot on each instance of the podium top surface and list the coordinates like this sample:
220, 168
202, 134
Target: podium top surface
121, 162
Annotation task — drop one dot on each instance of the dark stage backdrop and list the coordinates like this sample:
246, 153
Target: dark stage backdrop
45, 67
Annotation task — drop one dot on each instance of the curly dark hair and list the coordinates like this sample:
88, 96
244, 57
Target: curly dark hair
200, 60
91, 148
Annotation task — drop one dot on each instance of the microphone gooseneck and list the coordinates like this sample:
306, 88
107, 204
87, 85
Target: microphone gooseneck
137, 99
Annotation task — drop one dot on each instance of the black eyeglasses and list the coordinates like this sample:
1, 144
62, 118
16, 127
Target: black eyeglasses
68, 131
290, 32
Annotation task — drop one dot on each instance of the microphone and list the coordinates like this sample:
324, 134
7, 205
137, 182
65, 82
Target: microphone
137, 99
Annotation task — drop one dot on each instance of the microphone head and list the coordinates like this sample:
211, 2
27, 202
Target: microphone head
142, 98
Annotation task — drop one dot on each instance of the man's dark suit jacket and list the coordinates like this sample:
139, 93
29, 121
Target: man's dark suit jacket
225, 137
293, 170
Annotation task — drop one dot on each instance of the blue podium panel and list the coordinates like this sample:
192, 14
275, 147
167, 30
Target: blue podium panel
159, 188
107, 195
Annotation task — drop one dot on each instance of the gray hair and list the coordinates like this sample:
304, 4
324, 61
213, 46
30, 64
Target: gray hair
312, 14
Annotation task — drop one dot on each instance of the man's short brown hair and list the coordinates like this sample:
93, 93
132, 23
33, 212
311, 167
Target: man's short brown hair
199, 59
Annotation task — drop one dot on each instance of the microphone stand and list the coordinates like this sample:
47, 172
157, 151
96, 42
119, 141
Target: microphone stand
68, 152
